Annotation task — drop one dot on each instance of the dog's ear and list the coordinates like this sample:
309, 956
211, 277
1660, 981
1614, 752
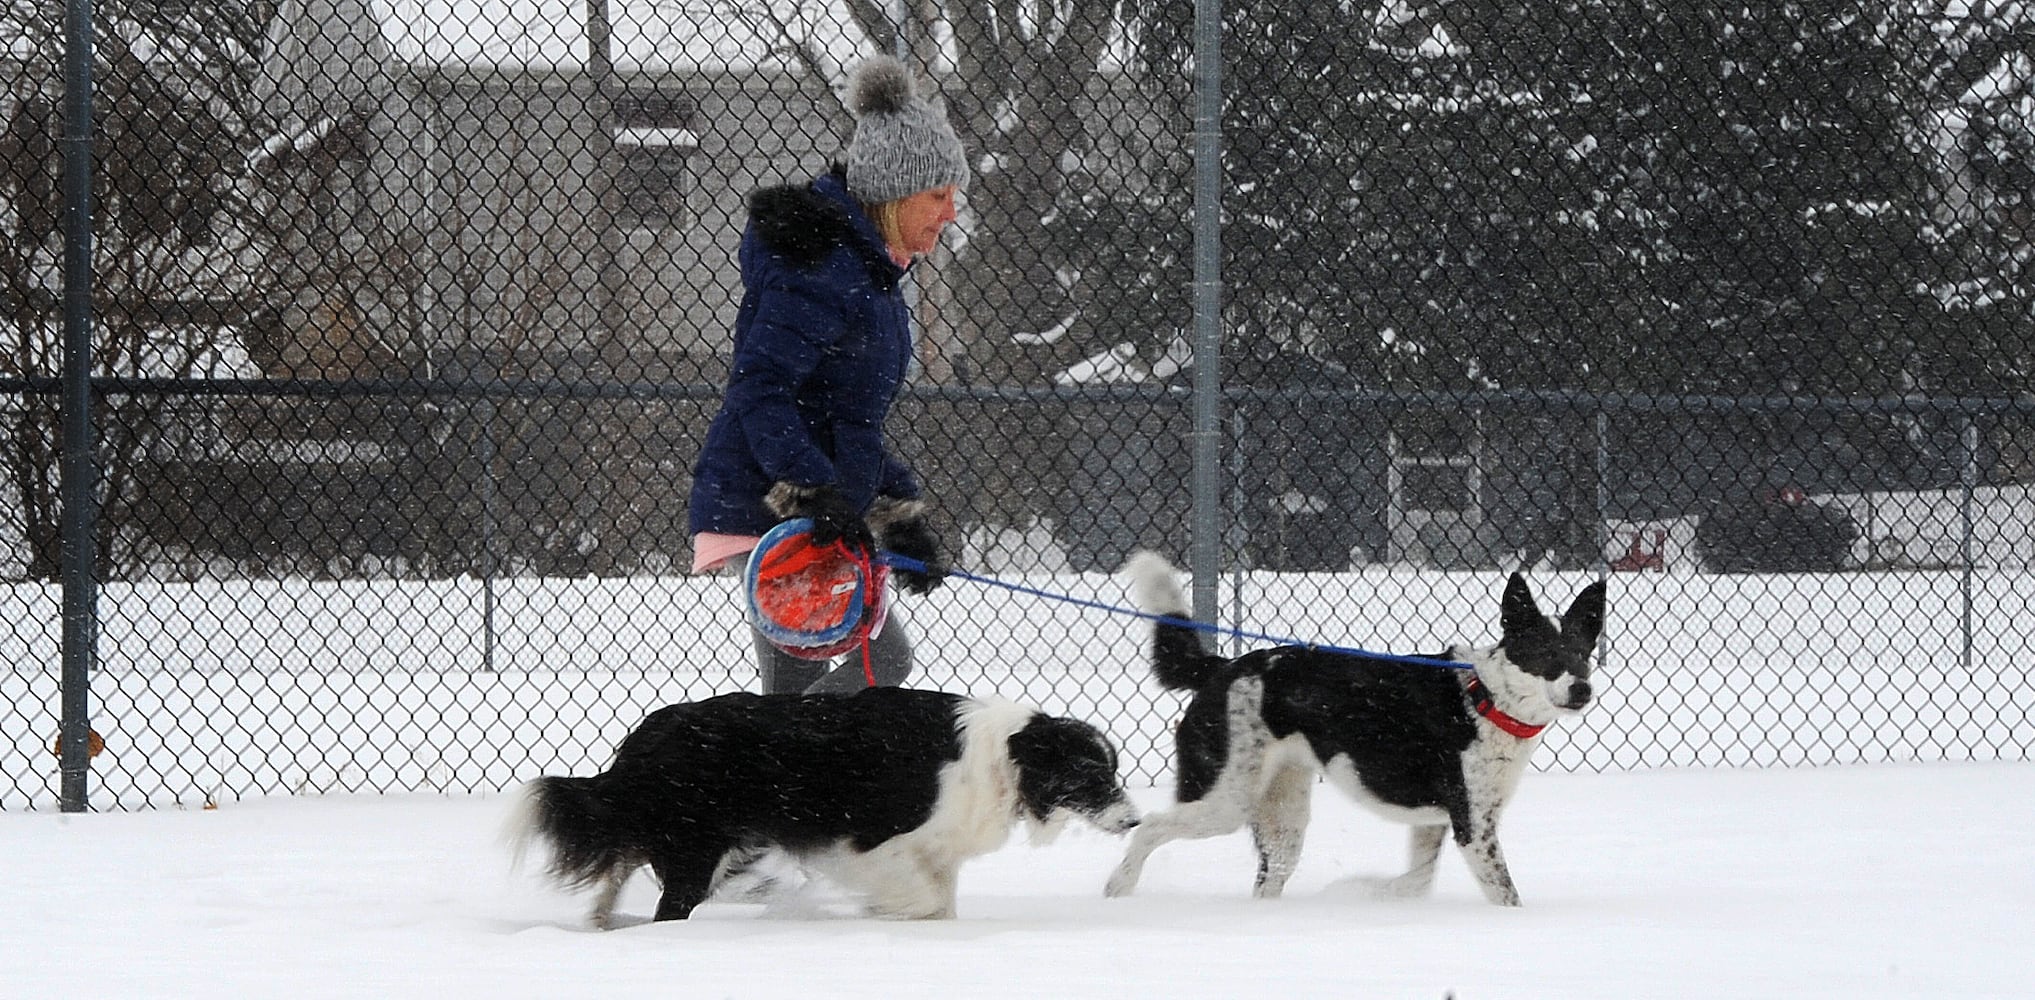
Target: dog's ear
1584, 621
1517, 613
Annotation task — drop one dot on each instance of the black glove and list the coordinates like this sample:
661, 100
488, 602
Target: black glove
833, 519
914, 539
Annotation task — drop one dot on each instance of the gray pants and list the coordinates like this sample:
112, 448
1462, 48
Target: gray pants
890, 659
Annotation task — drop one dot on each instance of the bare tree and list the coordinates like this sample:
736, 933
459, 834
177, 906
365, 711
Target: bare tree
174, 239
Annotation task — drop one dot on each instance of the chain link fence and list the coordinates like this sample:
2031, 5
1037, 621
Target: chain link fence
408, 316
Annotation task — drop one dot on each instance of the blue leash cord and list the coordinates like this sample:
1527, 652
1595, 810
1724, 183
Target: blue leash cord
910, 565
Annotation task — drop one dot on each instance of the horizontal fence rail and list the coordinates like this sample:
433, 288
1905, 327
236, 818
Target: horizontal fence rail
2022, 406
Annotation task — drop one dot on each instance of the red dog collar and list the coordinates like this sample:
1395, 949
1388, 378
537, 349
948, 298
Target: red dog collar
1523, 730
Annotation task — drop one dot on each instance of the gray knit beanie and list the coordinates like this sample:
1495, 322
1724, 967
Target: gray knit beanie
902, 145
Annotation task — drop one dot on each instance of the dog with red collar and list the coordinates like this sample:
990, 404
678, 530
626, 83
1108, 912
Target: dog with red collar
1439, 749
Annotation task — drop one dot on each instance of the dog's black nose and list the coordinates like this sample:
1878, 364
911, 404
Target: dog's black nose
1579, 693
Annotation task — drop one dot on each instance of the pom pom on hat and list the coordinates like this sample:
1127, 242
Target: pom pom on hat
881, 86
902, 145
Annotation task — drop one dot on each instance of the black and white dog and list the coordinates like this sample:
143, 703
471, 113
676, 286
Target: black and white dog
1435, 748
886, 791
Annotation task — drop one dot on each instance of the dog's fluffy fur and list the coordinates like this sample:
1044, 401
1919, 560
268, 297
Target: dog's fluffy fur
886, 791
1406, 739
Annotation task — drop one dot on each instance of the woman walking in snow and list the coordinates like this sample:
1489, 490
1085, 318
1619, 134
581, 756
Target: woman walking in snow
822, 344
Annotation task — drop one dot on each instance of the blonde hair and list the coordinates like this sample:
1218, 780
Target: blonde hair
884, 215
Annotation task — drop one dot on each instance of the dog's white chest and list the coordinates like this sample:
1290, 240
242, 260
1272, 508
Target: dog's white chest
1493, 765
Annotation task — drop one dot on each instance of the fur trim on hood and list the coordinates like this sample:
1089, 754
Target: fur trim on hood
799, 223
805, 225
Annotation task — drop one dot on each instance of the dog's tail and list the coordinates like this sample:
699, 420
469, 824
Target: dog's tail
587, 844
1178, 660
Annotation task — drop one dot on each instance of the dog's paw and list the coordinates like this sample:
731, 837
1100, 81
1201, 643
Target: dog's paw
761, 880
1503, 896
1121, 884
918, 913
1399, 887
754, 889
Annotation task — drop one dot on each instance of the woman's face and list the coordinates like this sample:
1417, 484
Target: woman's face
921, 217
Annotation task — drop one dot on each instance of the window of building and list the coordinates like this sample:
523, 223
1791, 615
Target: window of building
654, 144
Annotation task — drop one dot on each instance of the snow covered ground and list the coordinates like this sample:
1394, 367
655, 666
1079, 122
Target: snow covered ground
1865, 878
1860, 882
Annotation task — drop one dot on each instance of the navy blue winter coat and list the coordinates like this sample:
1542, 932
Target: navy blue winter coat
822, 343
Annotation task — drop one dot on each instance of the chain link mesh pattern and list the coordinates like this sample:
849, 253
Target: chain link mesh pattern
409, 317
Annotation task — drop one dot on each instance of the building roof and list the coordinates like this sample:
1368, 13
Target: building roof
646, 35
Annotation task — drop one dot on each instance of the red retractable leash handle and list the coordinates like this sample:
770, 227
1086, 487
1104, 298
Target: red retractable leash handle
863, 561
815, 601
865, 564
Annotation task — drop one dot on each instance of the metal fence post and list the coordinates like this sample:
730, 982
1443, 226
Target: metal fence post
1600, 532
1205, 558
80, 471
1236, 513
486, 447
1967, 481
